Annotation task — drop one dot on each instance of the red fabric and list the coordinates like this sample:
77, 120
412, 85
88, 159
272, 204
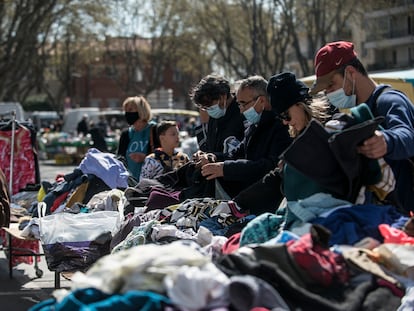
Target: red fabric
232, 244
333, 56
30, 245
322, 265
394, 289
394, 235
235, 211
58, 201
24, 171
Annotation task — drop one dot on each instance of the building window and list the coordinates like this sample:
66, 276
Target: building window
394, 57
110, 71
95, 102
158, 77
138, 75
177, 77
409, 25
113, 103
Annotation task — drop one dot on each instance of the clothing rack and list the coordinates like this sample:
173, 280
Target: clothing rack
13, 124
9, 122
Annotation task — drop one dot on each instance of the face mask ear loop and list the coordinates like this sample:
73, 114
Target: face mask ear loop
343, 82
256, 104
353, 84
263, 107
353, 87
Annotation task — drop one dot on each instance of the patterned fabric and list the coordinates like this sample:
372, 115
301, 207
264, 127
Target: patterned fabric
24, 170
191, 212
158, 163
387, 183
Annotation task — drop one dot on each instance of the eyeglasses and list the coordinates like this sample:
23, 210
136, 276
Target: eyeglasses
244, 104
285, 116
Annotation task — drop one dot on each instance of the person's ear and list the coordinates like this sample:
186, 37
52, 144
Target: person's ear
265, 102
350, 72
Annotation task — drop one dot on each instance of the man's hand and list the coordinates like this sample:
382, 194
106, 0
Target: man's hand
374, 147
212, 170
137, 157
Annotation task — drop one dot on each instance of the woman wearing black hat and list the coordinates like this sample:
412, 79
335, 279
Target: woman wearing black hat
295, 107
292, 103
317, 161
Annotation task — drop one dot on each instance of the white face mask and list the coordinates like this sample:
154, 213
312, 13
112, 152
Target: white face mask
340, 100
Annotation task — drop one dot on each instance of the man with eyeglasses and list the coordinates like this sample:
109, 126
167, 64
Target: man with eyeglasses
212, 95
265, 139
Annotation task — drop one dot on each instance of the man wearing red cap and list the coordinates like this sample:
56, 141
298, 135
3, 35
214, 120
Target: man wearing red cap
345, 81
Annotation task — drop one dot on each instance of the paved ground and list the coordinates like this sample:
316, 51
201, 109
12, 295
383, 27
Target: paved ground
25, 289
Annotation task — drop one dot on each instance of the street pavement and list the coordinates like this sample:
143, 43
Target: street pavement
25, 289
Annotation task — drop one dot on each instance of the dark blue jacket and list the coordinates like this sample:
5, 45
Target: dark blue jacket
398, 125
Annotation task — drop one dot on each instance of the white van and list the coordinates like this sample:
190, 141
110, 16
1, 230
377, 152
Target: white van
73, 116
7, 108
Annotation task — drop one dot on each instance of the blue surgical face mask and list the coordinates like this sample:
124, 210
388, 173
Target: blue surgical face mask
252, 115
340, 100
216, 112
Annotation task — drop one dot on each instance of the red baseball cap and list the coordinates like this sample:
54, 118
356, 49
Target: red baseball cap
329, 58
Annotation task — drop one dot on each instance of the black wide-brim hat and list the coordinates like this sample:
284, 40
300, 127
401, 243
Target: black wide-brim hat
285, 90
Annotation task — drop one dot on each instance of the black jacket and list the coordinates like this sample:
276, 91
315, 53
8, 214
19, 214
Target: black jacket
231, 124
257, 154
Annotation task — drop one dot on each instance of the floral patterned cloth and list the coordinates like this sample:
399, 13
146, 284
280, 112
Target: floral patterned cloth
158, 163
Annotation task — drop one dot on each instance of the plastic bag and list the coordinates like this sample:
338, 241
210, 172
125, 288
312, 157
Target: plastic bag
72, 242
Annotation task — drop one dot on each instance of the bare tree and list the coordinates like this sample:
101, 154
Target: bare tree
45, 45
35, 35
245, 37
159, 37
23, 30
317, 22
71, 47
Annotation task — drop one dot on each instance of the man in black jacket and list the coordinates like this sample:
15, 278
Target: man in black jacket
258, 153
212, 95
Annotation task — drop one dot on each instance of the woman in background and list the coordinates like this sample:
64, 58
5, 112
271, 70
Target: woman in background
139, 139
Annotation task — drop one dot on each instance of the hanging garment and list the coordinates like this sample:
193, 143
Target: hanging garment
24, 160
